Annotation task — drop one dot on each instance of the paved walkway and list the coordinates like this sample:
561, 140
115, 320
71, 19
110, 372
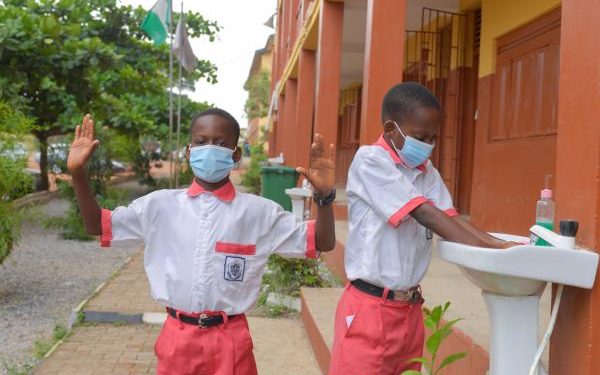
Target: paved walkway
281, 345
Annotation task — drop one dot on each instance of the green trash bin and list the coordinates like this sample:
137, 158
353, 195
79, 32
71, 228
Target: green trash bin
275, 179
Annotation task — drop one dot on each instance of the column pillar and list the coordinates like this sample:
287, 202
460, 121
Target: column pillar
288, 130
305, 107
575, 344
384, 59
329, 58
278, 131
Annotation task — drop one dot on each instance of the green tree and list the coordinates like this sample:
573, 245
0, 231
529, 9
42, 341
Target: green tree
251, 178
257, 104
14, 182
62, 58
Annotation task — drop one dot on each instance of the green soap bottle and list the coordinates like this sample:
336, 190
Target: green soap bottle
544, 214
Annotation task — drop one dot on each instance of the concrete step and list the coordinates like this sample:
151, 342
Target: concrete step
281, 347
318, 314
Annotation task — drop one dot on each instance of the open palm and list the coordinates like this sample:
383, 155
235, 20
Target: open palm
83, 145
321, 174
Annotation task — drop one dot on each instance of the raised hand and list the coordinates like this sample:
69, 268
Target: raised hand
322, 167
83, 145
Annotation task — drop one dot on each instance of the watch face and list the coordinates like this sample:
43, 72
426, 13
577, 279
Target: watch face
323, 201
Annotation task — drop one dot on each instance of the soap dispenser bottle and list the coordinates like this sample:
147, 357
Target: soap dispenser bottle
544, 214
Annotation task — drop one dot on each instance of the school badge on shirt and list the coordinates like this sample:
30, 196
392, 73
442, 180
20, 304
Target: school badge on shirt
234, 268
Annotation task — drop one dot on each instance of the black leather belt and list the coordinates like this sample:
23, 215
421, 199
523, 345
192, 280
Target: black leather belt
203, 321
413, 295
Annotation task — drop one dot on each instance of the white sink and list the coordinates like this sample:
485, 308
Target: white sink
521, 270
512, 281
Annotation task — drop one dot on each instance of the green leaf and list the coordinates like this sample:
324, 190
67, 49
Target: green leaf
422, 360
447, 328
436, 314
411, 372
434, 341
48, 40
429, 323
451, 359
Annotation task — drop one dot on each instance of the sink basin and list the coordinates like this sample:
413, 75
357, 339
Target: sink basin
521, 270
511, 281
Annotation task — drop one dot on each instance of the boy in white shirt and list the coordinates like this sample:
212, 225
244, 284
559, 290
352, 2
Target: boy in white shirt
206, 246
396, 199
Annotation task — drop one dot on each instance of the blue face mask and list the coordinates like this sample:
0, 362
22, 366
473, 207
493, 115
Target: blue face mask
211, 163
414, 152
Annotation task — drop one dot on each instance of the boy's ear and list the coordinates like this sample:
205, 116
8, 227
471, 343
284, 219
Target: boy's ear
388, 126
237, 154
187, 152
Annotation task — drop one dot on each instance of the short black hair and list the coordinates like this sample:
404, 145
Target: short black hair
402, 99
221, 113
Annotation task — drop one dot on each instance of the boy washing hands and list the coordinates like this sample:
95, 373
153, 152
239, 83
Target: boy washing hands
396, 201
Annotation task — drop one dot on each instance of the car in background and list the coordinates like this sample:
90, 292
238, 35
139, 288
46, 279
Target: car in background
17, 151
57, 159
118, 166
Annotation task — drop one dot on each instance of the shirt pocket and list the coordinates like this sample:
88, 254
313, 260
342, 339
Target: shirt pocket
234, 268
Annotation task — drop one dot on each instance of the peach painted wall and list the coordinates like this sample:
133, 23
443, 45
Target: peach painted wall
502, 16
507, 175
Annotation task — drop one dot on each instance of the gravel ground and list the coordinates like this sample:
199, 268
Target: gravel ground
43, 279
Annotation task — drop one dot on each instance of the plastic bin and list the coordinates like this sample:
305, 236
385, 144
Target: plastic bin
275, 180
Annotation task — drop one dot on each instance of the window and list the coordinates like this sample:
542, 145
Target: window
525, 85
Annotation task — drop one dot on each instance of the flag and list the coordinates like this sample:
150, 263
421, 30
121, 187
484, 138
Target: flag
182, 48
156, 23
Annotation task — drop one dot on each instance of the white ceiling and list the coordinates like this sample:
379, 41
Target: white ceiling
355, 23
353, 41
414, 10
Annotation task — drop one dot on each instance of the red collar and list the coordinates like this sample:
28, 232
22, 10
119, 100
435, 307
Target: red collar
225, 193
381, 142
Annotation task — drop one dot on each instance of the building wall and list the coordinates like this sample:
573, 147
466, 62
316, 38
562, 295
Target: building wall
507, 174
266, 61
255, 125
502, 16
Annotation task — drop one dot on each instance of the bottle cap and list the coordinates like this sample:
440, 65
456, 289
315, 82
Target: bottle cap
546, 193
568, 228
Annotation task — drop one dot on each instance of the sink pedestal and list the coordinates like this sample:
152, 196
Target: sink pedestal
513, 333
512, 281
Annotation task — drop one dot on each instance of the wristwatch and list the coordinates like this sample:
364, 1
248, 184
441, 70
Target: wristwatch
324, 201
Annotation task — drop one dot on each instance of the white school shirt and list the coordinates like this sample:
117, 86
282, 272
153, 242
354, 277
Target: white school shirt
386, 246
206, 251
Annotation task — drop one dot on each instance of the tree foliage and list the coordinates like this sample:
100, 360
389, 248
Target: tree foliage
63, 58
14, 182
257, 104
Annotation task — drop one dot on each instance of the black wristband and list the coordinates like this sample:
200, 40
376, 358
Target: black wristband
324, 201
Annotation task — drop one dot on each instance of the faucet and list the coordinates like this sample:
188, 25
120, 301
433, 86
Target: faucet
564, 240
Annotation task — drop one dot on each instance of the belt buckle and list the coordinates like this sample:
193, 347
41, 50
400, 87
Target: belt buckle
201, 320
414, 296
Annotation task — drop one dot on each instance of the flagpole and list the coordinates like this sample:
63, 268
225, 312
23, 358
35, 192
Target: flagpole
178, 163
170, 147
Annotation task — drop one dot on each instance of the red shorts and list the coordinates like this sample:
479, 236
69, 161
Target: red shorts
375, 336
185, 349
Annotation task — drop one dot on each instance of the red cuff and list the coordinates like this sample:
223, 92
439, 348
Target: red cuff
311, 246
396, 218
451, 212
106, 236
